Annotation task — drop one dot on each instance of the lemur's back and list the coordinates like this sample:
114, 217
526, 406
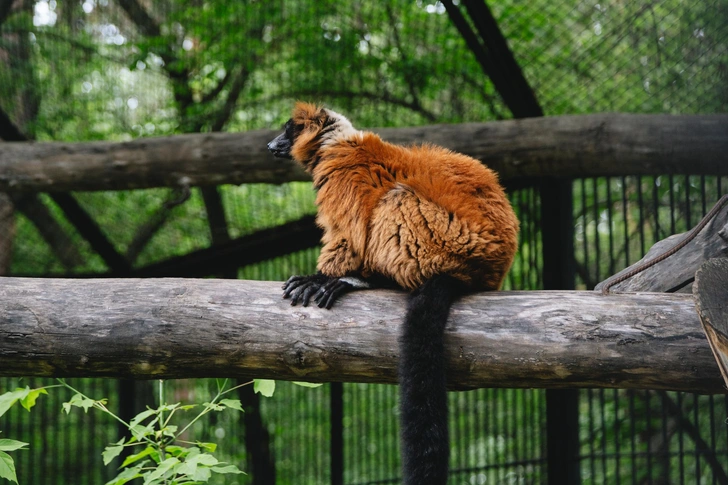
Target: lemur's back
414, 212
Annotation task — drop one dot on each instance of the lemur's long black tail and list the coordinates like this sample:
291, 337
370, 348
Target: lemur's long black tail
423, 396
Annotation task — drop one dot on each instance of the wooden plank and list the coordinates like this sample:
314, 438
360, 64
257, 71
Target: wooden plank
178, 328
711, 299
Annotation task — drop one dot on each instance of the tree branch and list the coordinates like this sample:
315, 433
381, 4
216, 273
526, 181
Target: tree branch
151, 226
215, 92
144, 22
52, 233
90, 231
250, 249
223, 115
384, 97
178, 74
507, 77
416, 104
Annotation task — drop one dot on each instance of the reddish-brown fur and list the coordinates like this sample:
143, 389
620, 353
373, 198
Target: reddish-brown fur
407, 213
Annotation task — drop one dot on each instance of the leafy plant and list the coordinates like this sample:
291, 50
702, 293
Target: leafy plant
164, 457
27, 398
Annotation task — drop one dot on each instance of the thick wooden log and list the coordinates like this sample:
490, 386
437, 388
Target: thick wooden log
173, 328
565, 146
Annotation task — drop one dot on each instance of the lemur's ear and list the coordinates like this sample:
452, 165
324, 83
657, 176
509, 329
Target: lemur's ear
321, 116
306, 113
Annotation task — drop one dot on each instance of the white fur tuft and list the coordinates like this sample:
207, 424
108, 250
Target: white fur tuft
355, 282
343, 129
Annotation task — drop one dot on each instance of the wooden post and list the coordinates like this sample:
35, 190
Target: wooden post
711, 299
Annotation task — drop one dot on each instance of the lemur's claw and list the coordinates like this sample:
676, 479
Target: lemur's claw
300, 288
324, 290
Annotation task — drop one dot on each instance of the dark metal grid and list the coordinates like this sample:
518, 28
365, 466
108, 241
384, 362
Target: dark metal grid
637, 437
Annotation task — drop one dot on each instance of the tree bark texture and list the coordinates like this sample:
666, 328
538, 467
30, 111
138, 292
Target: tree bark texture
711, 301
175, 328
564, 146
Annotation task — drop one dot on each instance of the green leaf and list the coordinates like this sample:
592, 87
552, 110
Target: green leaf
112, 451
211, 447
138, 456
161, 469
214, 406
11, 397
11, 445
187, 469
227, 469
167, 407
266, 387
191, 465
202, 474
142, 416
232, 403
178, 451
139, 432
29, 401
126, 476
79, 401
7, 467
206, 459
308, 384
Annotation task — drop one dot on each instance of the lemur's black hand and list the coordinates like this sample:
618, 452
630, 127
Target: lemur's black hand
331, 291
324, 290
301, 288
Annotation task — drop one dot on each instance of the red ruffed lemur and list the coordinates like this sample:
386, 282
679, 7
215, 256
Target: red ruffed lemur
425, 218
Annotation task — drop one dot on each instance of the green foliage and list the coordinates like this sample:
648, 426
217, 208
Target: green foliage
157, 450
165, 457
390, 63
307, 384
7, 466
265, 387
27, 398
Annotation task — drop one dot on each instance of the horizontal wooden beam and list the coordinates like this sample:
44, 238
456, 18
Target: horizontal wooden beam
563, 146
178, 328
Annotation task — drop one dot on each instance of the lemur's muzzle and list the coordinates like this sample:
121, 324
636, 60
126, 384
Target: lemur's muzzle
280, 146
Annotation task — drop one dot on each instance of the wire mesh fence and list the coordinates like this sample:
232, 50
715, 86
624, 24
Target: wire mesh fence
116, 70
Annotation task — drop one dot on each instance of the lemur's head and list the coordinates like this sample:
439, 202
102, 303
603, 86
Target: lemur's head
309, 129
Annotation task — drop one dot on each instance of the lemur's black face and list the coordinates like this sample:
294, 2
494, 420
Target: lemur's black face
281, 145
